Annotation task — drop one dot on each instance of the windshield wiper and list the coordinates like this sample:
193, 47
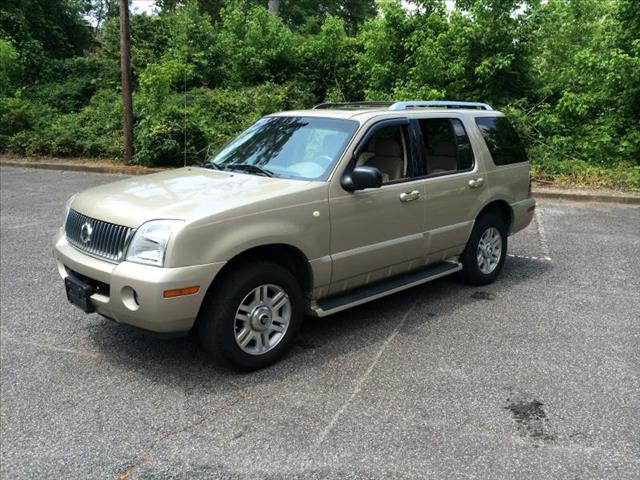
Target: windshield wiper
250, 167
209, 165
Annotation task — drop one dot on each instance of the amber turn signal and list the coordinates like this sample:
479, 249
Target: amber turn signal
179, 292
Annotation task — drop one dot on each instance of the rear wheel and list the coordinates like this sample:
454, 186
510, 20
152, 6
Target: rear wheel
486, 250
251, 317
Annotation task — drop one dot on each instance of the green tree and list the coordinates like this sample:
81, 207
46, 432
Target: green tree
9, 66
45, 29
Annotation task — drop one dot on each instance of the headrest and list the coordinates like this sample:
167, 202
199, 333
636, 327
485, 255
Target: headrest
388, 147
444, 149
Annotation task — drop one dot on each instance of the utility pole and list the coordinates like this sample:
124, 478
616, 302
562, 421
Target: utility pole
125, 78
274, 7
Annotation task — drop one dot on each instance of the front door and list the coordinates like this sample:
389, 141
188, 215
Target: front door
377, 233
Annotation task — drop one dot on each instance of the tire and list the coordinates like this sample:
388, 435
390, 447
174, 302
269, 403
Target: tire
246, 323
481, 264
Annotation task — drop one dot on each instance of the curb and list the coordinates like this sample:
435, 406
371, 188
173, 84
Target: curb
627, 199
131, 170
577, 196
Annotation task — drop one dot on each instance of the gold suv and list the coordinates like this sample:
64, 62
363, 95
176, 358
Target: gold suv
311, 211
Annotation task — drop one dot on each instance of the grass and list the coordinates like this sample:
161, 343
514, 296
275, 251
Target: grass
580, 174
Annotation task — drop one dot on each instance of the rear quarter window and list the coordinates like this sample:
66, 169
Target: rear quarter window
502, 140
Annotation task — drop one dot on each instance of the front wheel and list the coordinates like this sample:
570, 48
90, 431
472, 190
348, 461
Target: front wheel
486, 250
251, 317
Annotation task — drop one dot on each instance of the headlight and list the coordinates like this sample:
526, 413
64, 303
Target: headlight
67, 209
150, 242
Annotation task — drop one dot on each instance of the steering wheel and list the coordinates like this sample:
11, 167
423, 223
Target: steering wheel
312, 169
323, 160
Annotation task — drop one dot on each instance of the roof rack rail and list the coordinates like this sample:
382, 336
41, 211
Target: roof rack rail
439, 103
348, 105
402, 105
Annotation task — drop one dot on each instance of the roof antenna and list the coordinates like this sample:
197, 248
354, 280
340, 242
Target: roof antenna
185, 118
184, 87
184, 127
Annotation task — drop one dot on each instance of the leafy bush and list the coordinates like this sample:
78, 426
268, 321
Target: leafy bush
28, 128
210, 119
20, 116
71, 83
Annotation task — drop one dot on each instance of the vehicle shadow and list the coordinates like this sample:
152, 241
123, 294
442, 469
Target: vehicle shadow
181, 362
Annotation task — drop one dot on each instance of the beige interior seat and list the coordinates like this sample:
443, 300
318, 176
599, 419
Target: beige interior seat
386, 155
442, 158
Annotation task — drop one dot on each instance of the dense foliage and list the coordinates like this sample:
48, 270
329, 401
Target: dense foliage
566, 71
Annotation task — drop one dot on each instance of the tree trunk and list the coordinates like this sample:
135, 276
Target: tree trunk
125, 77
274, 7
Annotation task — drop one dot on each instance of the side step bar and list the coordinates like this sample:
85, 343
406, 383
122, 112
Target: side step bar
367, 293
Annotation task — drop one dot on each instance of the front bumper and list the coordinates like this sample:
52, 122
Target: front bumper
152, 311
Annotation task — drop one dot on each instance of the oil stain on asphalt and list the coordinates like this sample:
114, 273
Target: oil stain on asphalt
481, 295
531, 419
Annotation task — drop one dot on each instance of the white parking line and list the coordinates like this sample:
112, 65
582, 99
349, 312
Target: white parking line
53, 348
542, 236
359, 384
23, 225
546, 259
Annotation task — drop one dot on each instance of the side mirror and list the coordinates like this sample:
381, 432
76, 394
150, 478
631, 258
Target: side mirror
362, 177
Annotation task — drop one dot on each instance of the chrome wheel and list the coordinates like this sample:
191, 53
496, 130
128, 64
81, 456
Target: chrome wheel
489, 250
262, 319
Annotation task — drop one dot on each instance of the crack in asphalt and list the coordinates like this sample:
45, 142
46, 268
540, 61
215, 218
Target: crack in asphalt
146, 457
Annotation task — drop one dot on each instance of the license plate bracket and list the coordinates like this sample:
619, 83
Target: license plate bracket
79, 294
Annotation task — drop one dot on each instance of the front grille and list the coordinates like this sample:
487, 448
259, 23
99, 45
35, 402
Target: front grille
96, 237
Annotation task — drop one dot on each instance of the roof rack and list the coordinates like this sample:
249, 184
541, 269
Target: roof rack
351, 105
439, 103
403, 105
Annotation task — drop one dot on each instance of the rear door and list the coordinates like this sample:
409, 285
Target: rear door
454, 184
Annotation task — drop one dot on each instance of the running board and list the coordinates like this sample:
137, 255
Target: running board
367, 293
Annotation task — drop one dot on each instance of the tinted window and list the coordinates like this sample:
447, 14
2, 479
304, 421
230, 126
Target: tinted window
446, 146
385, 151
502, 140
289, 147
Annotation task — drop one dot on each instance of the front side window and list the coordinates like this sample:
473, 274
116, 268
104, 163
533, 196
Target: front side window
502, 140
386, 150
303, 148
446, 146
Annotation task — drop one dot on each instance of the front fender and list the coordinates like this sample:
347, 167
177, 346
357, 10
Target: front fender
301, 221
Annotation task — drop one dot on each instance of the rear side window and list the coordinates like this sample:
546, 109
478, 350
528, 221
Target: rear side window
502, 140
446, 146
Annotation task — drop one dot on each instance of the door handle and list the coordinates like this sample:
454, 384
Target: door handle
409, 196
476, 182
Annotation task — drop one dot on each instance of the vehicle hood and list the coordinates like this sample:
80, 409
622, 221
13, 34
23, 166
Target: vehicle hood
189, 194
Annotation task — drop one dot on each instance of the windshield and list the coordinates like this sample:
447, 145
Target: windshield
289, 147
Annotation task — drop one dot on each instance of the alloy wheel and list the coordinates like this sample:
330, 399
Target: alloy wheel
262, 319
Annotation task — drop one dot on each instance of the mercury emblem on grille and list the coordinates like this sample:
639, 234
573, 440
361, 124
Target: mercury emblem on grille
85, 232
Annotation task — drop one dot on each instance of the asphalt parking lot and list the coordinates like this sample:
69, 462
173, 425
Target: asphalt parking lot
535, 376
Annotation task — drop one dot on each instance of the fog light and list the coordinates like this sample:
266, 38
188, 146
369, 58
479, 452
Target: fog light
179, 292
130, 298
